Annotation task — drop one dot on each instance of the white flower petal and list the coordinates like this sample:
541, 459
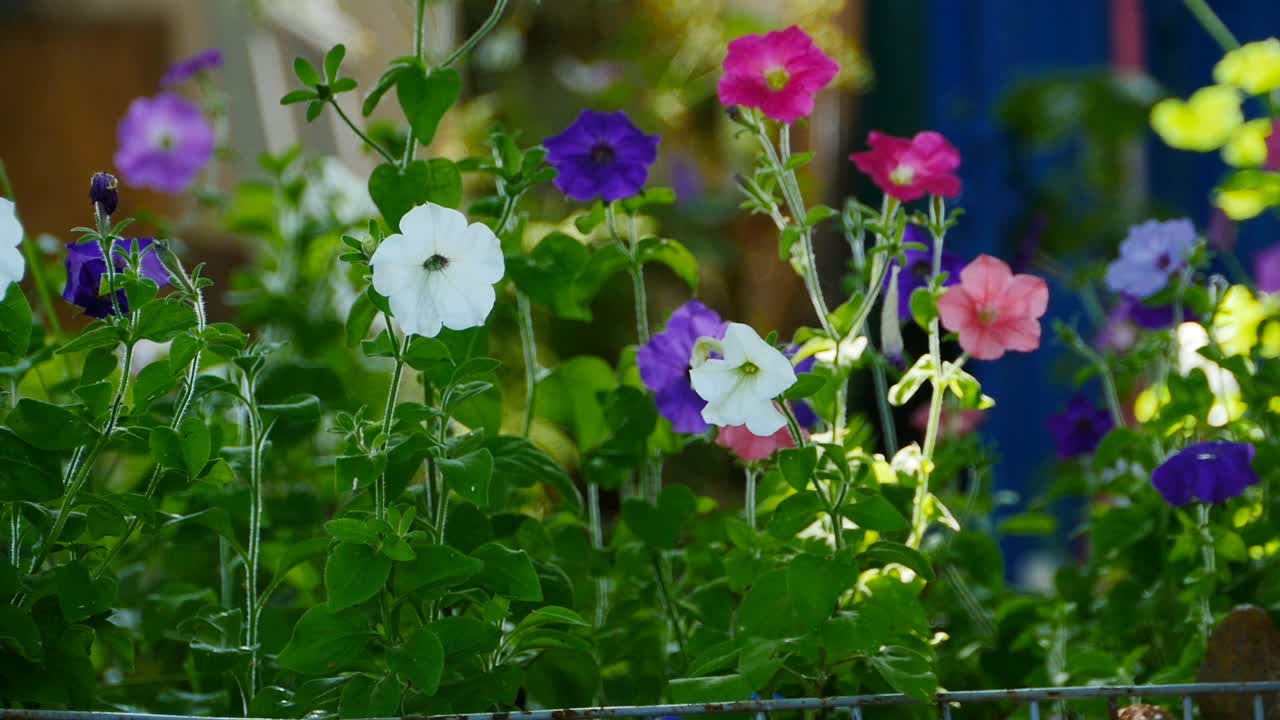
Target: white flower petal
480, 255
714, 379
765, 420
10, 228
429, 223
11, 267
737, 339
397, 264
416, 310
463, 303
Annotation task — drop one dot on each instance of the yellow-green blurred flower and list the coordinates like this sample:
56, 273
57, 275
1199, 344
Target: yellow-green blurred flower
1254, 68
1241, 204
1238, 317
1248, 144
1204, 122
1227, 404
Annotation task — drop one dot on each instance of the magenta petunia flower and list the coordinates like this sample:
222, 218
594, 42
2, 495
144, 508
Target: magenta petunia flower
183, 71
994, 310
1272, 162
908, 169
165, 142
1211, 472
601, 155
777, 73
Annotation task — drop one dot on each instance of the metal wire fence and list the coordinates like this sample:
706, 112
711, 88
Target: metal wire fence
859, 705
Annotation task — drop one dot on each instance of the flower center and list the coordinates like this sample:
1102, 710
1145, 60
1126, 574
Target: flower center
777, 78
602, 154
748, 368
988, 315
1164, 261
435, 263
922, 268
902, 175
164, 141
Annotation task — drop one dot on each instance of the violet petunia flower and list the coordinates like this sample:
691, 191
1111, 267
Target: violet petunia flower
915, 274
778, 73
183, 71
1211, 472
1266, 269
85, 268
664, 364
601, 155
165, 142
1152, 252
1079, 428
1128, 317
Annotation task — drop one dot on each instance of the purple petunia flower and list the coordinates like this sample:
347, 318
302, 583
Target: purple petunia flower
1211, 472
1266, 269
1129, 316
164, 143
804, 413
601, 155
85, 268
1079, 428
183, 71
919, 267
664, 365
1152, 252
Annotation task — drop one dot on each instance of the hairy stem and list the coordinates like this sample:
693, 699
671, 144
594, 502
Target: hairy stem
919, 522
490, 22
360, 133
1212, 24
388, 421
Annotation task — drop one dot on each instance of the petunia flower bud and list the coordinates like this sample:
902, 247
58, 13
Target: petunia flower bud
103, 192
890, 324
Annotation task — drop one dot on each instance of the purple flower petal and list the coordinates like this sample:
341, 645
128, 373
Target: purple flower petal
164, 143
919, 267
85, 268
601, 155
664, 364
1211, 472
210, 59
1151, 253
1079, 428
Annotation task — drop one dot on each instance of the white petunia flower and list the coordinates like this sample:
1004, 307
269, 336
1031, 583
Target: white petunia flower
740, 388
12, 265
438, 271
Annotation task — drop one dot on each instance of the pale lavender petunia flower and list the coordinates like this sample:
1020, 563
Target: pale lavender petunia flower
183, 71
164, 143
1152, 252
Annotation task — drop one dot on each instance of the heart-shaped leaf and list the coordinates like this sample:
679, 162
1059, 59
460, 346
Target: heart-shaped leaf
660, 526
426, 98
396, 193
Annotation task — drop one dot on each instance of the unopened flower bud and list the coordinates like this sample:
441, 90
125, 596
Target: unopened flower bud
103, 192
890, 328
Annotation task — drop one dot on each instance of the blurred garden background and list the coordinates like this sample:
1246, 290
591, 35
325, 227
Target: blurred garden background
1046, 101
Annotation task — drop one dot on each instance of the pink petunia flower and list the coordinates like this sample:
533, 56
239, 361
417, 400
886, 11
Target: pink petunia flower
751, 447
994, 310
908, 169
953, 422
777, 73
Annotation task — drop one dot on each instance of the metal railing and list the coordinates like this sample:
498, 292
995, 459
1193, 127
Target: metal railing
945, 701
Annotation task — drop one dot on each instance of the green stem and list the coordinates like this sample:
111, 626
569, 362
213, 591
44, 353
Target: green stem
360, 133
1212, 24
1210, 568
388, 421
410, 142
597, 543
750, 500
527, 342
888, 430
489, 23
257, 437
667, 604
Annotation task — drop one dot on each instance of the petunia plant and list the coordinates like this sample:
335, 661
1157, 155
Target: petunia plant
387, 489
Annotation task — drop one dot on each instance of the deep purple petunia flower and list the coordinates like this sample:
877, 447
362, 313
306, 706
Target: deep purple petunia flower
180, 72
601, 155
1127, 317
1151, 253
919, 267
1266, 269
804, 412
664, 365
104, 191
85, 268
1079, 428
164, 143
1211, 472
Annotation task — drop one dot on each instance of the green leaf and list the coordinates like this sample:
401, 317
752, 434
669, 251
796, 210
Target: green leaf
789, 236
465, 636
924, 307
797, 465
426, 98
508, 572
795, 514
766, 610
806, 385
549, 273
672, 254
1029, 523
163, 321
297, 96
470, 475
518, 461
196, 444
365, 697
354, 573
48, 426
325, 641
420, 659
27, 473
436, 566
353, 530
403, 64
166, 447
98, 335
20, 632
817, 214
15, 325
591, 220
886, 552
396, 193
860, 632
305, 71
79, 595
660, 527
714, 689
911, 381
908, 671
815, 585
333, 62
647, 197
874, 512
361, 316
